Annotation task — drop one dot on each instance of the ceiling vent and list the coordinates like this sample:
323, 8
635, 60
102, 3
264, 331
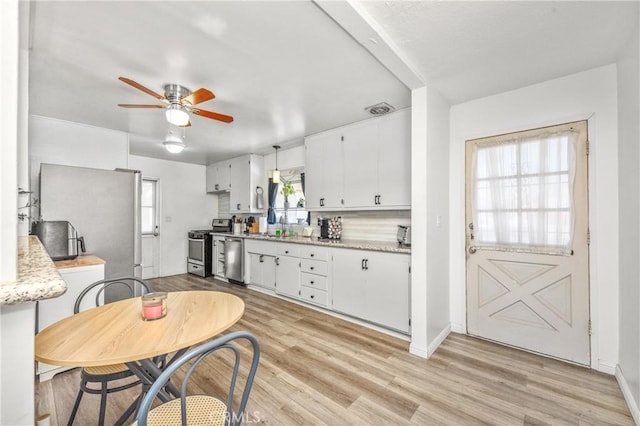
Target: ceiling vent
380, 109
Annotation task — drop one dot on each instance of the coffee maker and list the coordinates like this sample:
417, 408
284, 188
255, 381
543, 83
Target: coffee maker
324, 228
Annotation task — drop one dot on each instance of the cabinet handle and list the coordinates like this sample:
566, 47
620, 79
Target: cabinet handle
277, 261
312, 296
311, 282
362, 264
311, 268
238, 206
311, 254
261, 258
217, 186
286, 252
321, 202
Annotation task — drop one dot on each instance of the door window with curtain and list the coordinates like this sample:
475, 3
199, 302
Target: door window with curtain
522, 191
149, 210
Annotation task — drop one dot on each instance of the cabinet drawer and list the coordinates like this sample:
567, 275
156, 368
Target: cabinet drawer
314, 281
314, 296
314, 253
288, 250
313, 266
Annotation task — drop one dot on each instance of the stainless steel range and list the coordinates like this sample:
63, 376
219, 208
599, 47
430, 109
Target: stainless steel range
199, 259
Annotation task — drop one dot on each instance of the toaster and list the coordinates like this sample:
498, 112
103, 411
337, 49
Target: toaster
404, 235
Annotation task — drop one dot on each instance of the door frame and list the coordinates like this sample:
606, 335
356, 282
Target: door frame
457, 295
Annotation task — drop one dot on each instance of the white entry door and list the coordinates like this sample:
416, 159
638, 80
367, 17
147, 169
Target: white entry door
527, 240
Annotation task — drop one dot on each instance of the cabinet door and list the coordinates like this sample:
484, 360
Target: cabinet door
394, 160
360, 150
333, 171
348, 283
288, 276
223, 175
255, 268
239, 179
387, 290
211, 178
314, 174
269, 272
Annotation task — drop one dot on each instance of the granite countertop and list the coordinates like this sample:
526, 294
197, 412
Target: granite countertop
385, 246
37, 276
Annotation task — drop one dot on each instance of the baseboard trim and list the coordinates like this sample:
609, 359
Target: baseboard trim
458, 328
418, 350
435, 344
628, 396
606, 367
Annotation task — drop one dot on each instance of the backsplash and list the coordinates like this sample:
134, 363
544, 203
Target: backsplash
366, 225
356, 225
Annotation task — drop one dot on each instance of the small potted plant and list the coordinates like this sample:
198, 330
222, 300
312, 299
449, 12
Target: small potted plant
287, 189
300, 203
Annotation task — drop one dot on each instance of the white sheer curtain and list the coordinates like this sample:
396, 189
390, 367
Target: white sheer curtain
522, 192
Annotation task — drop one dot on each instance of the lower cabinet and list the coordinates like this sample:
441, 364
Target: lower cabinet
50, 311
373, 286
288, 276
262, 270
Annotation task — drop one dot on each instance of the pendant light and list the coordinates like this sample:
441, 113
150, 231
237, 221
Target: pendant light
275, 175
174, 143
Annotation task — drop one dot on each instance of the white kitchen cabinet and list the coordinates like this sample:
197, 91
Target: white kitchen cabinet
373, 286
314, 275
218, 176
324, 170
246, 173
377, 160
262, 270
288, 272
89, 270
217, 262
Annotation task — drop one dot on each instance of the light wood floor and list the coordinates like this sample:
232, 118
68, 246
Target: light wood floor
316, 369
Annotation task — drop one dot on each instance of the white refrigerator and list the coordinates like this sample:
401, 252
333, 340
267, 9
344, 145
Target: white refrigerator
104, 207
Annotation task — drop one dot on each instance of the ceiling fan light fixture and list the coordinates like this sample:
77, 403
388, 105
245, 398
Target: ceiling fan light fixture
174, 144
177, 115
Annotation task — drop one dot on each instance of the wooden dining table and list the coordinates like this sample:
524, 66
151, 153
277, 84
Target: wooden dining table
116, 333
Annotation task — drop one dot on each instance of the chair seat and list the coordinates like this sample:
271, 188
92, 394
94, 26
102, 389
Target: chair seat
201, 410
106, 369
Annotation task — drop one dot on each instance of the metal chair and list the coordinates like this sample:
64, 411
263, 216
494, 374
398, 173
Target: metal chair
106, 373
201, 409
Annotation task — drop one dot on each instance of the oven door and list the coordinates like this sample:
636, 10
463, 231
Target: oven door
196, 251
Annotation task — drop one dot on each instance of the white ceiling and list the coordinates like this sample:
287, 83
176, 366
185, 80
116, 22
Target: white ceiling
285, 69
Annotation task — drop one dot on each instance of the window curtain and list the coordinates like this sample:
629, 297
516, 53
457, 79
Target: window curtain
273, 192
522, 193
302, 180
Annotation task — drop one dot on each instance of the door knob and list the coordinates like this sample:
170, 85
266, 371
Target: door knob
472, 250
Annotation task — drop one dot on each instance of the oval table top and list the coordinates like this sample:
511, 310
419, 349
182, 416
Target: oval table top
116, 333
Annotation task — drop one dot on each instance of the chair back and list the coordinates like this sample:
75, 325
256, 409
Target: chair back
197, 355
133, 286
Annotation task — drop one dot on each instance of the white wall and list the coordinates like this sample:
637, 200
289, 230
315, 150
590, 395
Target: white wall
184, 205
16, 322
629, 181
436, 218
587, 94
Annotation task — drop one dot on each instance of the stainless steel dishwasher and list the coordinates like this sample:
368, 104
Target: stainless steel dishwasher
233, 253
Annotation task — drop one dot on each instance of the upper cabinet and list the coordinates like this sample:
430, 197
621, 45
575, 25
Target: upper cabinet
323, 170
246, 174
362, 166
218, 176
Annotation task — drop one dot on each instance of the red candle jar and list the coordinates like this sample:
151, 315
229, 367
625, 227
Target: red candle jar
154, 305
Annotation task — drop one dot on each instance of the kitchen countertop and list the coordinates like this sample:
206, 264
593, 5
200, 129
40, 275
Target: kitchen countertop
37, 276
87, 260
385, 246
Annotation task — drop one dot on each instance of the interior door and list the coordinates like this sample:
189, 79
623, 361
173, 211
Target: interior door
527, 240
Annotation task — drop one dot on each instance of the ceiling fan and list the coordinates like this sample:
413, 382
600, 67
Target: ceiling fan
178, 101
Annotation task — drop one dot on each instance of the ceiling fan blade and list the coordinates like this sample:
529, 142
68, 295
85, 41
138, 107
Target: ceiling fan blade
141, 87
211, 114
140, 106
200, 95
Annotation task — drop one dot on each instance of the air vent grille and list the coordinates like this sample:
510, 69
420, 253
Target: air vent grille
380, 109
